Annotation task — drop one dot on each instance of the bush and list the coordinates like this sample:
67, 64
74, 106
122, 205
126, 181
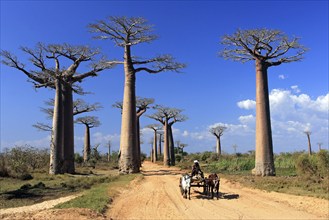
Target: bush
305, 166
21, 160
323, 163
178, 157
3, 168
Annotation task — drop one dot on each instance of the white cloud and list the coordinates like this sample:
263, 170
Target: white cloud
281, 76
295, 89
185, 133
247, 104
246, 119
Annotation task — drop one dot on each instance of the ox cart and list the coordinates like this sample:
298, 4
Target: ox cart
208, 184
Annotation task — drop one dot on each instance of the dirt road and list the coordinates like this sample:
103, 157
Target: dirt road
158, 196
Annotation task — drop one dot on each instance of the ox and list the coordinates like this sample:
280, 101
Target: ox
185, 185
211, 184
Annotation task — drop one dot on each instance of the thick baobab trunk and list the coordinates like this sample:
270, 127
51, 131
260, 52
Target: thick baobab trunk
218, 147
128, 141
68, 151
86, 149
155, 152
309, 144
171, 146
166, 160
56, 145
264, 162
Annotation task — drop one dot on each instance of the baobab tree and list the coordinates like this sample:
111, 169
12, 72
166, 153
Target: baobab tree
177, 117
127, 32
79, 107
155, 128
218, 131
64, 81
308, 134
142, 104
160, 133
167, 117
267, 48
89, 122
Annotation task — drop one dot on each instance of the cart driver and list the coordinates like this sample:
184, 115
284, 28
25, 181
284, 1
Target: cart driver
196, 169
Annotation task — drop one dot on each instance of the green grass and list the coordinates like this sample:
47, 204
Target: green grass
294, 185
13, 194
98, 197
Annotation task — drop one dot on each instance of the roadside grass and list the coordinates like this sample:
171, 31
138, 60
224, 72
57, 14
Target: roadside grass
16, 193
98, 197
303, 186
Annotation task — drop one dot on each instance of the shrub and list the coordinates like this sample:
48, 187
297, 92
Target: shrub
305, 166
178, 157
323, 163
3, 168
19, 161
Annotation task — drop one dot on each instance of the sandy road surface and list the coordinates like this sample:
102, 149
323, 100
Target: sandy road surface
158, 196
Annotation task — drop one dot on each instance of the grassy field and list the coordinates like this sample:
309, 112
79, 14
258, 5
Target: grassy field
100, 196
15, 192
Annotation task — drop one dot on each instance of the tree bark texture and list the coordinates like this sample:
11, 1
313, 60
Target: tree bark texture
155, 141
56, 145
86, 149
171, 146
68, 151
264, 162
218, 146
160, 137
166, 160
128, 162
309, 144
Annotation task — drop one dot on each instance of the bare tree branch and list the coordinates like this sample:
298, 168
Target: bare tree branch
43, 127
218, 130
90, 121
271, 46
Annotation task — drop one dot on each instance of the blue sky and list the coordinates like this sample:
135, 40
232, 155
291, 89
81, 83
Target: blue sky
210, 90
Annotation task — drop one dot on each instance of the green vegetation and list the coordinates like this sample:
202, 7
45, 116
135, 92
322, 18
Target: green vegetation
296, 173
99, 197
24, 178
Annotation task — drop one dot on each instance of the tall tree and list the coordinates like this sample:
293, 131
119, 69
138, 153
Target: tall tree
89, 122
127, 32
177, 117
79, 107
64, 81
155, 128
167, 117
267, 48
308, 134
142, 104
218, 131
160, 133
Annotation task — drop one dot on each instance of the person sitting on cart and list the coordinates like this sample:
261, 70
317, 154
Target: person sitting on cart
196, 169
